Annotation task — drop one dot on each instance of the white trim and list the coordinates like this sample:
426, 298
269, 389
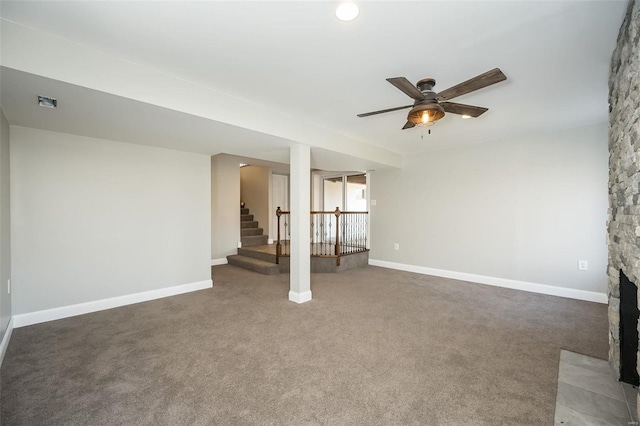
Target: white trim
305, 296
221, 261
37, 317
571, 293
5, 340
270, 241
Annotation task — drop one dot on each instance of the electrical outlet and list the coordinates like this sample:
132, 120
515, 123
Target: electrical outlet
9, 286
396, 246
583, 265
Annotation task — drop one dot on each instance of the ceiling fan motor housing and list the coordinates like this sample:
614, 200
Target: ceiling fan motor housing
426, 84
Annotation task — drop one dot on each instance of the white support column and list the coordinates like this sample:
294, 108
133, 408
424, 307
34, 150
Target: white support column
300, 275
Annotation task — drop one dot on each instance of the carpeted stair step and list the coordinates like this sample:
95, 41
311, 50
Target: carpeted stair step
252, 264
254, 240
251, 231
248, 224
244, 211
267, 256
246, 217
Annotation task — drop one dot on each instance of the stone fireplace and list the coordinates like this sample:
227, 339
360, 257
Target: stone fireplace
623, 237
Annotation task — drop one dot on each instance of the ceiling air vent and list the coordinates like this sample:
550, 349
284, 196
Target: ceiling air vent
43, 101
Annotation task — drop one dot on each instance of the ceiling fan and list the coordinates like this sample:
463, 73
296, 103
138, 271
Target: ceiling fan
430, 106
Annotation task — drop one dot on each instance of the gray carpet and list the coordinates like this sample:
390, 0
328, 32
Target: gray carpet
375, 346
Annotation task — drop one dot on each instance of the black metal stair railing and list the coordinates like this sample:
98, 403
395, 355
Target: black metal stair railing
283, 246
333, 233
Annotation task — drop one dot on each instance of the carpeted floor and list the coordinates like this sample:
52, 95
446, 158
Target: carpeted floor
374, 346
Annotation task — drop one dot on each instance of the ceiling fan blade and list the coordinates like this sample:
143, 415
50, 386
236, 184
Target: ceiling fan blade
478, 82
462, 109
408, 125
367, 114
408, 88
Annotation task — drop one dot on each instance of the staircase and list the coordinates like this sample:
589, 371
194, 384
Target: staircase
258, 256
251, 236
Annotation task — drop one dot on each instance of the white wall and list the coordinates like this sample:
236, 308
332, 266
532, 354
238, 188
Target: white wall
255, 183
94, 219
525, 209
225, 206
316, 191
5, 227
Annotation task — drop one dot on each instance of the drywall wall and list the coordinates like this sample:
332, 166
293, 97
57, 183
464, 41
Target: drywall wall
94, 219
5, 227
255, 185
225, 206
316, 191
525, 209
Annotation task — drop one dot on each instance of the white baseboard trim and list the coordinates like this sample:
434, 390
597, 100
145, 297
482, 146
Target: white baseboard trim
37, 317
571, 293
305, 296
5, 340
221, 261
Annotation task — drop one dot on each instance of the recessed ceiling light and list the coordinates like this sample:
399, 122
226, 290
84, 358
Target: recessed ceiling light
46, 102
466, 116
347, 11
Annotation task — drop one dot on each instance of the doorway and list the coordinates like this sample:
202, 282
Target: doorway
346, 192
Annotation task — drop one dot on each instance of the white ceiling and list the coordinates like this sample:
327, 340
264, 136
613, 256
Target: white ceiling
297, 59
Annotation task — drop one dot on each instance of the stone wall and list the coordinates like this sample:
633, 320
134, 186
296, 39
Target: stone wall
623, 235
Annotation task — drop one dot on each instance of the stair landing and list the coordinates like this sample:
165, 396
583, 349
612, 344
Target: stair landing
266, 253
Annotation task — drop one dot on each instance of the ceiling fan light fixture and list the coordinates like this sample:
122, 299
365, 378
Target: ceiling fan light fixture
347, 11
425, 115
465, 116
